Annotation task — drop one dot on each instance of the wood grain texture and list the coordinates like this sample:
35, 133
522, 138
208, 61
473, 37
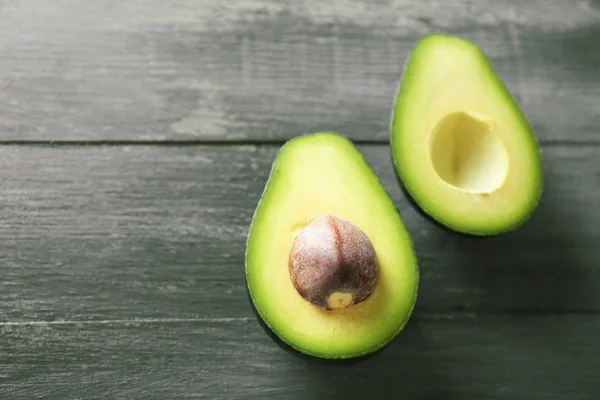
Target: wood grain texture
98, 233
551, 357
259, 70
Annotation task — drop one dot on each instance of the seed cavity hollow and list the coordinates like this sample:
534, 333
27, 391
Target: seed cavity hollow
467, 152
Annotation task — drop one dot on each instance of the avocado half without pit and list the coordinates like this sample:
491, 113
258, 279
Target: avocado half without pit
330, 267
462, 148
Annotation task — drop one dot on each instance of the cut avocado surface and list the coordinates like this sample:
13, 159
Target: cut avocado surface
323, 200
461, 146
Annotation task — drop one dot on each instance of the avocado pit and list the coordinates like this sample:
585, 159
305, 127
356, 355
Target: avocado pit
333, 264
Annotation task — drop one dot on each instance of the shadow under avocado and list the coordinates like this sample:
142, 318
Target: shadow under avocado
413, 365
535, 276
407, 366
533, 268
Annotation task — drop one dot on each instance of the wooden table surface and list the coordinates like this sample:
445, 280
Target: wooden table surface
136, 139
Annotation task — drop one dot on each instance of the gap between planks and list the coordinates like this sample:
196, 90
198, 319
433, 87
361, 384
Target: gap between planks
126, 321
225, 142
425, 316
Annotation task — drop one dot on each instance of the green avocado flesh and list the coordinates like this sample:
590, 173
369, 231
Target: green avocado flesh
313, 175
461, 146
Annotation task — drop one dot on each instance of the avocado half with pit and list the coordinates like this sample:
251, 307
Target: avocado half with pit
463, 150
330, 267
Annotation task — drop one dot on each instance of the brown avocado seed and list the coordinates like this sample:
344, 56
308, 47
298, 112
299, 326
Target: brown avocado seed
333, 264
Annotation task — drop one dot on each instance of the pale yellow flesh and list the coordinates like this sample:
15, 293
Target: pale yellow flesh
326, 174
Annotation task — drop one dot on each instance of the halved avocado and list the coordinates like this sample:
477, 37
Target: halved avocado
321, 180
462, 148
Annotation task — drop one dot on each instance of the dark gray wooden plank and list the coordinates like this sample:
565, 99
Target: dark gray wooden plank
159, 232
214, 70
493, 357
97, 232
